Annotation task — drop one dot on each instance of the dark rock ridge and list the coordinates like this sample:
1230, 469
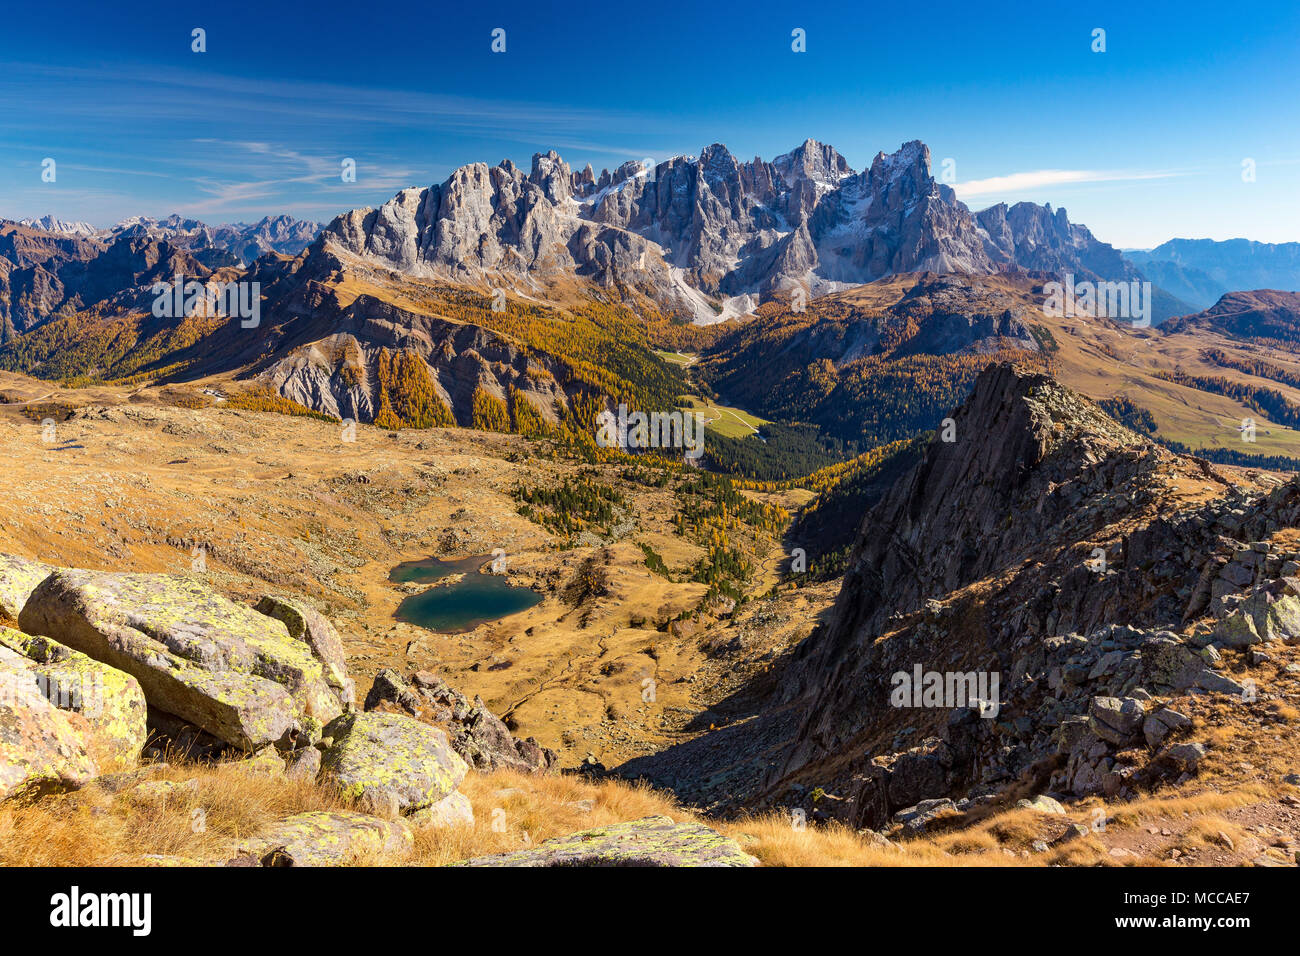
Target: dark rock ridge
1040, 546
1263, 313
1107, 584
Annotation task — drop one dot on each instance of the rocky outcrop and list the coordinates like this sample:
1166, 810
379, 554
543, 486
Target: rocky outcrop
651, 841
222, 667
1038, 548
389, 763
330, 359
477, 734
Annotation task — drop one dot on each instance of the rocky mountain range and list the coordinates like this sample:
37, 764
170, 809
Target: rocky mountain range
709, 235
49, 267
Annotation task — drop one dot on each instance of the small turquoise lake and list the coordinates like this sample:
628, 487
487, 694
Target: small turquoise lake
459, 605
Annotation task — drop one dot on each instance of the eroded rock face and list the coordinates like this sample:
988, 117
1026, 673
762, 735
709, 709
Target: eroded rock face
651, 841
338, 838
109, 701
18, 579
199, 656
390, 763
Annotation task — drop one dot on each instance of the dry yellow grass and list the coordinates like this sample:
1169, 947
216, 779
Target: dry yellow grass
204, 821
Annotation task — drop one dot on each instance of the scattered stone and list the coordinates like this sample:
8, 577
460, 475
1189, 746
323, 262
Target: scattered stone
157, 792
1072, 833
915, 819
325, 839
1185, 758
1163, 722
1116, 720
1042, 803
303, 764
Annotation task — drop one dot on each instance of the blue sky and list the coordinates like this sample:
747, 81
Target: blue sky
1142, 143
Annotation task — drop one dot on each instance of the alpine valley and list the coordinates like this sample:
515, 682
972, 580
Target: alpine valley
911, 466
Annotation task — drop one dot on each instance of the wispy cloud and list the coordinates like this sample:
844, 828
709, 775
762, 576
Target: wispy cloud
1043, 178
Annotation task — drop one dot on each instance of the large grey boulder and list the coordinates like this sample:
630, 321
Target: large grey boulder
651, 841
1116, 720
390, 763
218, 665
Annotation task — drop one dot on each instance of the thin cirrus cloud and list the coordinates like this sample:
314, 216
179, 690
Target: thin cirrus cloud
1044, 178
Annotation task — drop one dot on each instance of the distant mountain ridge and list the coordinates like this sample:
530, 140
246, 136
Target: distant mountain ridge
243, 242
1200, 271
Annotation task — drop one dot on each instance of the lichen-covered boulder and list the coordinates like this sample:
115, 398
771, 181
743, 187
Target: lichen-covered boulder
110, 700
1271, 612
18, 579
314, 630
325, 839
390, 762
199, 656
42, 748
652, 841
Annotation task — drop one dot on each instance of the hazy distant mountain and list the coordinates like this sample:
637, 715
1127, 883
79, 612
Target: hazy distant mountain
1202, 270
709, 235
235, 243
243, 242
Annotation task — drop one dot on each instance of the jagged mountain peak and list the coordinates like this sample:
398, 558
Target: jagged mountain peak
708, 235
